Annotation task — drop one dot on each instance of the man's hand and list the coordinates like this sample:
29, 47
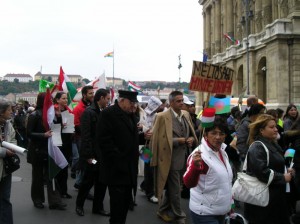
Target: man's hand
189, 141
147, 135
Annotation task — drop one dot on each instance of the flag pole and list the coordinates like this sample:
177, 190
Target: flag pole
113, 67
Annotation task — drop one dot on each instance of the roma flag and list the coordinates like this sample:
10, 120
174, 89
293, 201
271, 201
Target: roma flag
222, 105
109, 55
66, 85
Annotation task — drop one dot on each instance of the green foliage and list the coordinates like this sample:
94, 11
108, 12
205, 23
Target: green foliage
17, 87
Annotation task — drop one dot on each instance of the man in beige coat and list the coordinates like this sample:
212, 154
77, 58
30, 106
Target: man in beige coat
173, 135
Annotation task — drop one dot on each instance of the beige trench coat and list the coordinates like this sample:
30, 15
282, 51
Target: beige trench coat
161, 144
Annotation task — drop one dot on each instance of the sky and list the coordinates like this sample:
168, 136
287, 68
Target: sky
147, 37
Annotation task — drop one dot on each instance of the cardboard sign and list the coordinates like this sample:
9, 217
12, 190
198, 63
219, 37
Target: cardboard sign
211, 78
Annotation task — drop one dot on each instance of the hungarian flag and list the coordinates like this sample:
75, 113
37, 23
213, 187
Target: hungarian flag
56, 159
134, 87
222, 105
109, 55
231, 39
66, 85
208, 117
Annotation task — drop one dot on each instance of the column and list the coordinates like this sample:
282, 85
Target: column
229, 17
274, 10
208, 32
258, 16
212, 41
267, 12
217, 27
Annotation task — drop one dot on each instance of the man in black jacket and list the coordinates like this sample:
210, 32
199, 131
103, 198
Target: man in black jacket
90, 159
117, 135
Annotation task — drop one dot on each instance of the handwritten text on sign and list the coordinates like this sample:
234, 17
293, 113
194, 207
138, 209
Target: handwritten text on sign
211, 78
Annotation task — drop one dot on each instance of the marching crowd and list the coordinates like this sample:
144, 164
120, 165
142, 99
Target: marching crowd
186, 160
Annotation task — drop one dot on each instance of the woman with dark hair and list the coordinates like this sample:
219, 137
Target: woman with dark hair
263, 132
209, 176
7, 133
60, 105
291, 115
38, 157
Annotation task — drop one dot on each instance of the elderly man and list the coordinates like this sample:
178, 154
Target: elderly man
173, 133
118, 139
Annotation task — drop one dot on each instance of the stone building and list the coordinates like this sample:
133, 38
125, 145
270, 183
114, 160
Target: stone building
54, 77
269, 53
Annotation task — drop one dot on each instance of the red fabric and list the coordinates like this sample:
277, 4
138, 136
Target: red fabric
61, 79
191, 176
78, 111
47, 104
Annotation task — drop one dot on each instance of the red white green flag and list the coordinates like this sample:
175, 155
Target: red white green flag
66, 85
56, 159
109, 55
208, 117
134, 87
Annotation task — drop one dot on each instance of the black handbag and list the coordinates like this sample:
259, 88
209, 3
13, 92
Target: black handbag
11, 163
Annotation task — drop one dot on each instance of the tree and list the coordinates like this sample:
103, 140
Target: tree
86, 80
16, 80
49, 79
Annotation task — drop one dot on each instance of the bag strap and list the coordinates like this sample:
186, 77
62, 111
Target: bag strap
271, 176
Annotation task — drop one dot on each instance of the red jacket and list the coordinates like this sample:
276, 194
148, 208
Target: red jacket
78, 111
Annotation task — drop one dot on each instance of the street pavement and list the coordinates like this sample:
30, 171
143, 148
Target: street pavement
25, 213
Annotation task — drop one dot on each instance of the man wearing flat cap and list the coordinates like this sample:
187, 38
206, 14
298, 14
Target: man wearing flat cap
119, 144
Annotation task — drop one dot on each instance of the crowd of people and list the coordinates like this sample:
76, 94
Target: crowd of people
186, 161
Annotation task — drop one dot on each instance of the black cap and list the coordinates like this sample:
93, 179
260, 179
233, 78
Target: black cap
128, 95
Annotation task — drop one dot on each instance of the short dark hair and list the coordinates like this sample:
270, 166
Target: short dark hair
4, 105
99, 93
85, 89
58, 96
218, 123
255, 109
279, 112
173, 94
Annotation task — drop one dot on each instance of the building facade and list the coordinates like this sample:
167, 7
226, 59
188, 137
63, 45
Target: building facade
20, 77
54, 77
266, 63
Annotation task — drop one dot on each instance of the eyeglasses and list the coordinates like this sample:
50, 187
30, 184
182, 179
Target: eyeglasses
216, 133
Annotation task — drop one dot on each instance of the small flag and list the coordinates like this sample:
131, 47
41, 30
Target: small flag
205, 57
289, 153
145, 154
109, 55
231, 39
134, 87
66, 85
43, 85
222, 105
112, 95
208, 117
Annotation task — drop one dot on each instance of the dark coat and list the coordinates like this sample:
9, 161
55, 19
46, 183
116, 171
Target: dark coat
276, 211
88, 125
118, 142
38, 144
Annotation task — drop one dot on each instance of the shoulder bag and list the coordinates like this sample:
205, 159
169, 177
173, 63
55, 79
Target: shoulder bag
249, 189
11, 163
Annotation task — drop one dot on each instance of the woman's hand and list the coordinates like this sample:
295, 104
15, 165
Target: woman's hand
189, 141
9, 153
48, 134
291, 171
197, 159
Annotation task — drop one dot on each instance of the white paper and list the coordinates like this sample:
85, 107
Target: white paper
68, 121
14, 147
56, 134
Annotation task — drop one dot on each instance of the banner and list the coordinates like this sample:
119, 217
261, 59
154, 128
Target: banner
211, 78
